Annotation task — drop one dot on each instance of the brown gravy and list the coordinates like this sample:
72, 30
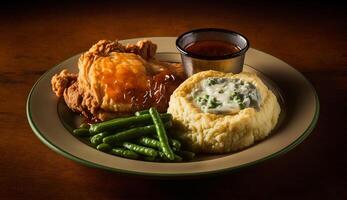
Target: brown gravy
212, 48
142, 94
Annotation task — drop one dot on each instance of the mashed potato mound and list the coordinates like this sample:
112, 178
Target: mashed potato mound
222, 133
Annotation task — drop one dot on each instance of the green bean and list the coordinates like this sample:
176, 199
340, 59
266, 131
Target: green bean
140, 149
84, 125
163, 157
187, 155
81, 132
131, 134
173, 142
159, 126
104, 147
97, 139
118, 123
142, 112
124, 153
149, 142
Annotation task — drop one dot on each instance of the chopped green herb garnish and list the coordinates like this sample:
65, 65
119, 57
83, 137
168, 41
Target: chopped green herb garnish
218, 95
212, 81
214, 103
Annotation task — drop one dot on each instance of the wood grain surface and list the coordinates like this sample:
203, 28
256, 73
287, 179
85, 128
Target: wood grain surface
309, 36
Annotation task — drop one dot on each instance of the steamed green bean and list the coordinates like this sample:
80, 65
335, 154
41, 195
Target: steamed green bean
119, 123
140, 149
159, 126
97, 139
104, 147
123, 152
81, 132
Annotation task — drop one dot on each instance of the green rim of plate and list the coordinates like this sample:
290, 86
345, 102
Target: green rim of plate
213, 172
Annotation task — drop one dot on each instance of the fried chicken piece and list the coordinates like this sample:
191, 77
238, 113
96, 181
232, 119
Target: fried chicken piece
65, 85
144, 48
62, 81
116, 80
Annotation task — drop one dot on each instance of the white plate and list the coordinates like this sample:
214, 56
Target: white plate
52, 122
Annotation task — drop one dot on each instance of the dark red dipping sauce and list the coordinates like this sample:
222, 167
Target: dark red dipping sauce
212, 48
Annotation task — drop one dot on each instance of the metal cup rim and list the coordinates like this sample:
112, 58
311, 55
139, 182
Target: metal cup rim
228, 56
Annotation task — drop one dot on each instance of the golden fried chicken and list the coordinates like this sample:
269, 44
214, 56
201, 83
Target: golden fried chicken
115, 80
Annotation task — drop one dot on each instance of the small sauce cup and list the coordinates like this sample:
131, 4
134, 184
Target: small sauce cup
206, 49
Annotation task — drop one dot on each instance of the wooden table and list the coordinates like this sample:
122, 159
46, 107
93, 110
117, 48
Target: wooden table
35, 37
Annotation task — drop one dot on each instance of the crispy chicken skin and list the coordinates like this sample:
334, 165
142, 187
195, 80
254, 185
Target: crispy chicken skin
62, 81
116, 80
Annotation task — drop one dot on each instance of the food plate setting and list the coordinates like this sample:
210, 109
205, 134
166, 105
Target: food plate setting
203, 103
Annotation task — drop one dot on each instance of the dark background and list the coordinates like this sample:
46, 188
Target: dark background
309, 36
